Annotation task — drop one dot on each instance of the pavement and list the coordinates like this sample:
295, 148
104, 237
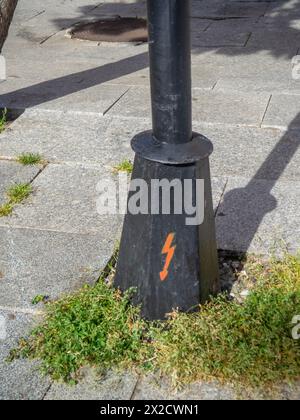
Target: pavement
81, 104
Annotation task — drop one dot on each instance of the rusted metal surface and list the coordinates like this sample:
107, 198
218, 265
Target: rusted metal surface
113, 30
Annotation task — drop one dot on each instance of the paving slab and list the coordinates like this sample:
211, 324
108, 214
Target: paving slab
281, 22
12, 173
259, 216
41, 262
247, 24
20, 380
287, 9
73, 94
256, 60
124, 8
59, 138
283, 112
268, 154
95, 387
274, 39
284, 84
107, 65
213, 107
155, 388
244, 63
44, 20
64, 199
230, 108
225, 9
220, 38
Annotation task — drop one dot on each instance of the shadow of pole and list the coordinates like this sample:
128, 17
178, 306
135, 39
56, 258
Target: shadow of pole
57, 88
243, 209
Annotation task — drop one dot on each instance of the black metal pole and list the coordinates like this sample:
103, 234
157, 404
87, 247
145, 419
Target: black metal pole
171, 263
170, 70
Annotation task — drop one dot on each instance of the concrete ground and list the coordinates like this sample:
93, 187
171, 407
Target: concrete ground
83, 103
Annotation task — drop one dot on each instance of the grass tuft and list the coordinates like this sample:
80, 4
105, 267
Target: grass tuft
125, 166
247, 343
18, 193
3, 119
30, 159
39, 299
6, 209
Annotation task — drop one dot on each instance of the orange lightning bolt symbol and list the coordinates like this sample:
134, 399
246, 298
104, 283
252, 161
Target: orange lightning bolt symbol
169, 250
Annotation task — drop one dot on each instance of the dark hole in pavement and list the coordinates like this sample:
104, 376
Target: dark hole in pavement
113, 30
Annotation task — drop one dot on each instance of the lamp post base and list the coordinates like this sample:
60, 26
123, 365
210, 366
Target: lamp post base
169, 259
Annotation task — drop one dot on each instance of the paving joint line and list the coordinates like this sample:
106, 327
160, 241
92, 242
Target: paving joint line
266, 110
47, 390
53, 34
220, 18
248, 39
63, 232
23, 311
214, 85
36, 15
116, 101
135, 388
38, 173
221, 197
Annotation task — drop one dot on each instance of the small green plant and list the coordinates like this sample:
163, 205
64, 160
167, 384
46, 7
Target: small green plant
15, 194
249, 343
6, 209
125, 166
30, 159
94, 326
18, 193
3, 119
39, 299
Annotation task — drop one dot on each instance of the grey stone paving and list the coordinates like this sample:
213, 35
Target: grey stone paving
21, 379
41, 262
93, 386
84, 102
83, 139
259, 216
155, 388
283, 112
64, 199
63, 97
12, 173
210, 107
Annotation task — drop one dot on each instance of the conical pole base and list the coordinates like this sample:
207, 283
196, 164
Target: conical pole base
172, 265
